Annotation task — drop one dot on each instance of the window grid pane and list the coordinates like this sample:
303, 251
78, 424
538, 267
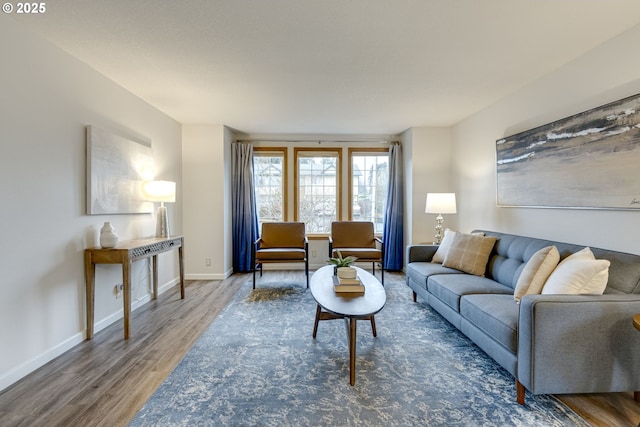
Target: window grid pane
268, 172
370, 179
317, 190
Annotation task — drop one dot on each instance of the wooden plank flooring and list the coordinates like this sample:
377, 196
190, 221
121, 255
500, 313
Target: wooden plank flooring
105, 381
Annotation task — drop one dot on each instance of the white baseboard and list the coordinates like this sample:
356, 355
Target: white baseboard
47, 356
29, 366
209, 276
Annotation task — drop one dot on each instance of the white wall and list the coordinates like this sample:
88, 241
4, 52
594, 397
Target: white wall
207, 201
47, 100
427, 157
605, 74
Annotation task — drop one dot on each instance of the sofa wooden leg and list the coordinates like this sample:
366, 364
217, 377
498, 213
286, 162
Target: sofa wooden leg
520, 391
636, 396
415, 296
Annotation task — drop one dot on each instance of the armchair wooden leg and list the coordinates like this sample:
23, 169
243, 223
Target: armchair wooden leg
415, 296
636, 396
520, 392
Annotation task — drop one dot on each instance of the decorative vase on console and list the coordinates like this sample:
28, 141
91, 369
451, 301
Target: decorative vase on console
108, 236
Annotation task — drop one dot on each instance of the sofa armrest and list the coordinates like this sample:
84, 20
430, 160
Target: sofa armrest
422, 253
579, 343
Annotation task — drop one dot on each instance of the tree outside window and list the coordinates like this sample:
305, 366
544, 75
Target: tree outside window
317, 177
369, 182
270, 185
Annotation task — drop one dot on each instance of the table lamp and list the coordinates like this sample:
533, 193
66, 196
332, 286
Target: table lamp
161, 191
440, 203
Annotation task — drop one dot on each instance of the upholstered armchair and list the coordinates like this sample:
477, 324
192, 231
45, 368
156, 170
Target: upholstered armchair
357, 238
280, 242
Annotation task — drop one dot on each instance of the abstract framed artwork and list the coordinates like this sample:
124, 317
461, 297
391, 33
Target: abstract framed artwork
116, 167
590, 160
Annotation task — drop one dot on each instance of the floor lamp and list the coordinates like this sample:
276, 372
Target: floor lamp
161, 191
440, 203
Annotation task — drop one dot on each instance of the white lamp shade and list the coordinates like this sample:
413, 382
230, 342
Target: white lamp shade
160, 191
441, 203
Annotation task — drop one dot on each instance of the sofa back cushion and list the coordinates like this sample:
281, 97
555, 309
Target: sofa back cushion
511, 252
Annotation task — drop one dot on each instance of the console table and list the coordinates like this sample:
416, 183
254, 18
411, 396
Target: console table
125, 253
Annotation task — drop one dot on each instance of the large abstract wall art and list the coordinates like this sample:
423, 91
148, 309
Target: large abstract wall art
116, 168
590, 160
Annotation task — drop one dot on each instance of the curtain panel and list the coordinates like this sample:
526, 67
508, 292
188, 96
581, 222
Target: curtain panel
393, 234
244, 217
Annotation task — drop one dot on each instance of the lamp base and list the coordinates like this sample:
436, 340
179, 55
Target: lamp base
439, 227
162, 224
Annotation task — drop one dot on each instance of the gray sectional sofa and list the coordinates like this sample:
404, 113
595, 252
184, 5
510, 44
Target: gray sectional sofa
551, 344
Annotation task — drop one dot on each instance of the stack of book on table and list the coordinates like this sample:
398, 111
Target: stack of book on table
348, 286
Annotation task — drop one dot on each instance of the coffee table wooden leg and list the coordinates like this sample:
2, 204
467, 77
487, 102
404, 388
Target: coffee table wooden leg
315, 324
373, 326
352, 350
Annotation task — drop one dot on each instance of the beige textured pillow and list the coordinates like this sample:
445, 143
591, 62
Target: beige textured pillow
536, 272
469, 253
441, 253
579, 275
449, 235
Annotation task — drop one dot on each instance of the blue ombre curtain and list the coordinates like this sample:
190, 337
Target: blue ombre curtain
244, 217
393, 234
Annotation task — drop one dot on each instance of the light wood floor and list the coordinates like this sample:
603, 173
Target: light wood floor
105, 381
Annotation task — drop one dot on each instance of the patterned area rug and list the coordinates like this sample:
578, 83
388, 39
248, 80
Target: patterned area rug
258, 365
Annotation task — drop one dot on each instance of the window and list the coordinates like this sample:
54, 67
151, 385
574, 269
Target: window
270, 172
369, 180
324, 188
317, 197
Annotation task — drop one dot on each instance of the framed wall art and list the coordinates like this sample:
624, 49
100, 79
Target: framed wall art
590, 160
116, 167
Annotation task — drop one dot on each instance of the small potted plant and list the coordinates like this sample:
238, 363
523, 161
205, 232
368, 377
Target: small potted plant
343, 265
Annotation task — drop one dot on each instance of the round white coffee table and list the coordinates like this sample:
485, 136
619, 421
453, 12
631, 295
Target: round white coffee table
350, 308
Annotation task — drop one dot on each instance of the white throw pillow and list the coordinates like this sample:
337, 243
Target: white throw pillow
583, 253
536, 272
579, 273
445, 244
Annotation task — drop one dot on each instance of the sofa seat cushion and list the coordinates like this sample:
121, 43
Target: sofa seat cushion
495, 315
450, 287
420, 271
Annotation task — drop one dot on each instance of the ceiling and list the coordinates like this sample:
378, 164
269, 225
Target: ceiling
328, 66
